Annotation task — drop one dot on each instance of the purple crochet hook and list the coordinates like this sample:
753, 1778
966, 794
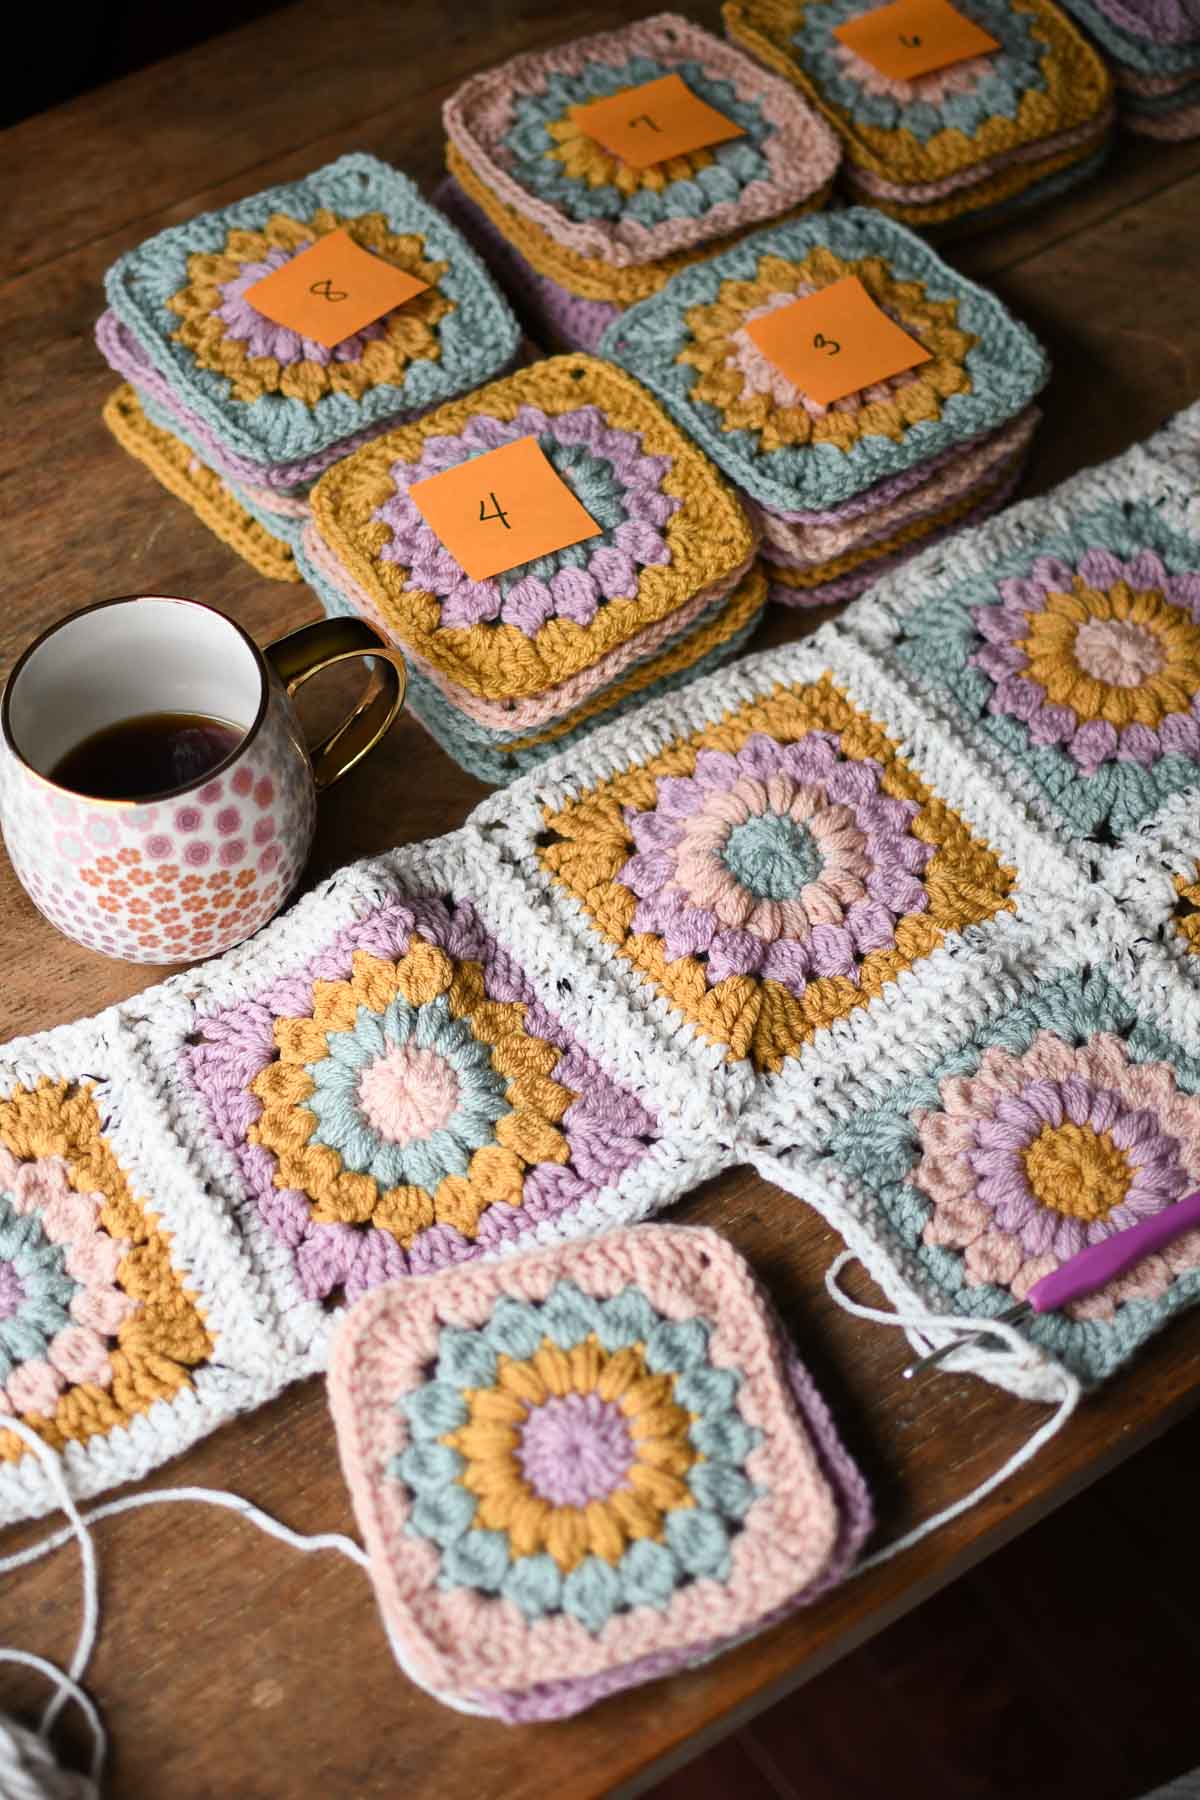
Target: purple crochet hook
1093, 1268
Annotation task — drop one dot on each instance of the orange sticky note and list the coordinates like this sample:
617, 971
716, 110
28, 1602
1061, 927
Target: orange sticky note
647, 124
914, 37
834, 342
332, 289
502, 509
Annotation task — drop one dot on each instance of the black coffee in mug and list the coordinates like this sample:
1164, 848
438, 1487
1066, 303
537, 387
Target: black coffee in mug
154, 753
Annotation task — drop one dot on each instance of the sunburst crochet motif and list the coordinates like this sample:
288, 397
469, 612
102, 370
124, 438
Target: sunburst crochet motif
750, 395
227, 334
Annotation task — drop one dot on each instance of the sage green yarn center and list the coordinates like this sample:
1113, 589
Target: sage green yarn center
772, 857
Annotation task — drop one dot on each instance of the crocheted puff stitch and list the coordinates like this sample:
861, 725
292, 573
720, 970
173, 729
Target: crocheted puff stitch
586, 1469
670, 529
690, 346
514, 127
270, 396
1044, 80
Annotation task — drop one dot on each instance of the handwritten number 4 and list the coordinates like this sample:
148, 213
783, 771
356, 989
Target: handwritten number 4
497, 512
824, 343
327, 290
910, 43
645, 119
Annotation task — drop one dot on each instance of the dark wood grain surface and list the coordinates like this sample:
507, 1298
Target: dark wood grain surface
230, 1666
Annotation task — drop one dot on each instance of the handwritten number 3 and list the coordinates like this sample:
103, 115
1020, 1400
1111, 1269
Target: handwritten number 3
327, 290
824, 343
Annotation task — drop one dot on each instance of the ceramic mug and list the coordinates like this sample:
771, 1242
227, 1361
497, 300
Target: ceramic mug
171, 877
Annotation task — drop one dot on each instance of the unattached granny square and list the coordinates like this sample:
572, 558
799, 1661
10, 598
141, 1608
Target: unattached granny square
263, 402
586, 1468
673, 534
515, 127
978, 136
690, 345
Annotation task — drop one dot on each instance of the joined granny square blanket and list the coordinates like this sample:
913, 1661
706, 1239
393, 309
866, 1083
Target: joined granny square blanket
904, 915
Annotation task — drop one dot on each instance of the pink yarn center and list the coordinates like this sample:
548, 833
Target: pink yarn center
11, 1291
763, 377
575, 1448
407, 1094
1118, 651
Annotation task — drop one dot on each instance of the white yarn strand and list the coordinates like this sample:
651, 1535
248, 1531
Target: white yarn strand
28, 1769
90, 1622
927, 1324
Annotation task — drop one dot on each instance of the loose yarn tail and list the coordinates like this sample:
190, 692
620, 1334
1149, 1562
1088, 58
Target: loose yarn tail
28, 1770
929, 1324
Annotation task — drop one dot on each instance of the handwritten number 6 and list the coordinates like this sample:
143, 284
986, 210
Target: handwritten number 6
824, 343
327, 290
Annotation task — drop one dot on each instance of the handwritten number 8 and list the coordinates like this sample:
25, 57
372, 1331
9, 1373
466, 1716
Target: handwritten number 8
824, 343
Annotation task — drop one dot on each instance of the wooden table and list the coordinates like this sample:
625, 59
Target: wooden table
230, 1666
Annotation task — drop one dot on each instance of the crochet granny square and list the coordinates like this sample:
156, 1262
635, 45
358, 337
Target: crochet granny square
768, 852
280, 407
514, 126
1036, 1102
497, 741
671, 532
1065, 646
584, 1469
689, 344
405, 1074
975, 134
129, 1319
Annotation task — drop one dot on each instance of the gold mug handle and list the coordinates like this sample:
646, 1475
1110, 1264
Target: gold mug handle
310, 650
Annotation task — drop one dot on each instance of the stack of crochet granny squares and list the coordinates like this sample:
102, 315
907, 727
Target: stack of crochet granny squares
974, 140
236, 413
506, 670
575, 232
1153, 47
842, 492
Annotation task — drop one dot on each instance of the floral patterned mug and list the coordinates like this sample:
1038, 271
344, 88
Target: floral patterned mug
169, 877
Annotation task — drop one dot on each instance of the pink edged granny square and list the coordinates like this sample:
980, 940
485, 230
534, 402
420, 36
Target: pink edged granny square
521, 129
585, 1468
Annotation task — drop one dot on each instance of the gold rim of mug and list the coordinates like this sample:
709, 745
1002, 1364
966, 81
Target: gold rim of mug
174, 793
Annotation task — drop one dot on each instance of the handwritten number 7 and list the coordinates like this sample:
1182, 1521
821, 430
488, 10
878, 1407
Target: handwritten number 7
497, 512
824, 343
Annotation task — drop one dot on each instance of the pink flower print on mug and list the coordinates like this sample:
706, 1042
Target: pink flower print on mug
169, 876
